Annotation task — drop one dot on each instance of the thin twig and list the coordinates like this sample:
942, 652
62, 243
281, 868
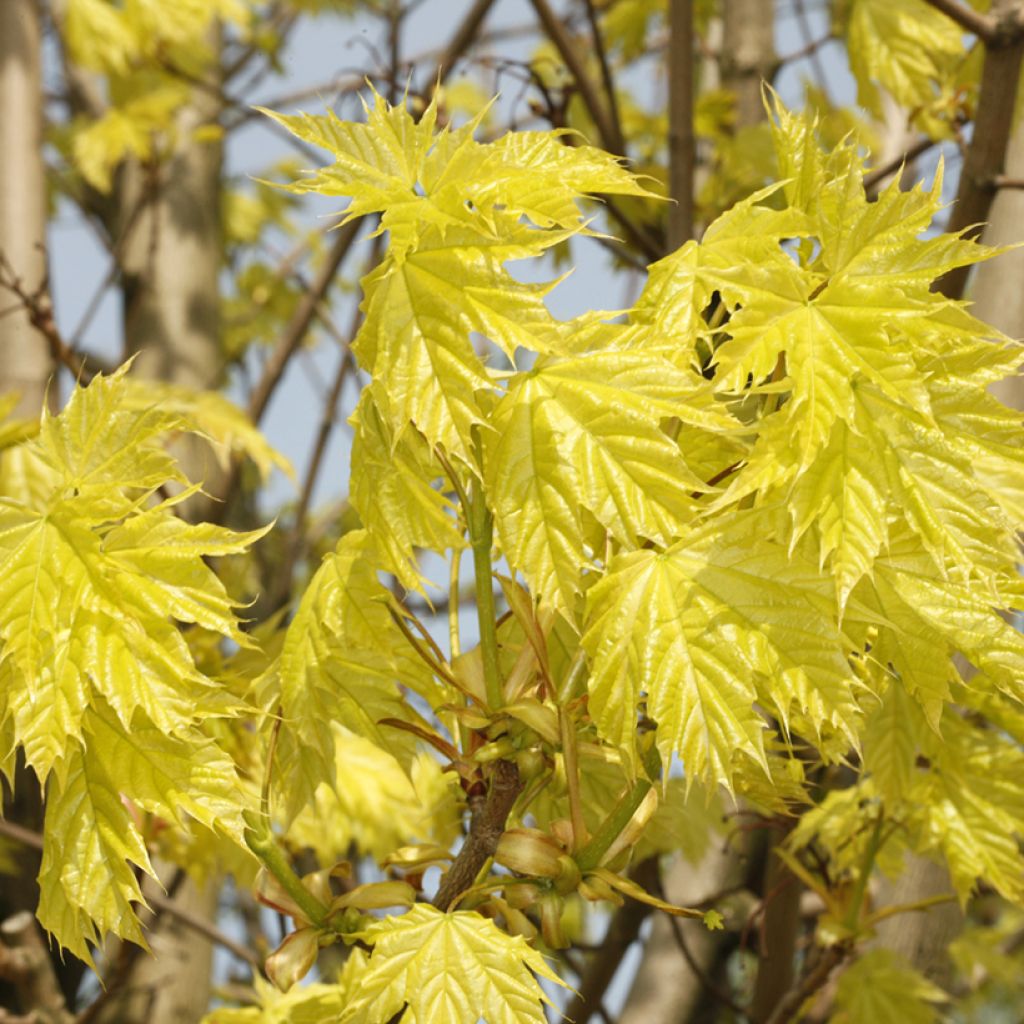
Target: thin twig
606, 71
876, 175
572, 54
39, 309
167, 906
699, 973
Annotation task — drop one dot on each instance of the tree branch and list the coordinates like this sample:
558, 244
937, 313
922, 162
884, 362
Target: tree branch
986, 155
876, 175
969, 20
554, 27
682, 154
39, 310
789, 1006
488, 815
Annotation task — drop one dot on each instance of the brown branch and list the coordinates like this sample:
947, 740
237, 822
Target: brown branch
877, 175
25, 961
1002, 181
606, 71
827, 961
554, 27
463, 37
296, 329
162, 903
969, 20
610, 135
682, 154
38, 308
488, 815
993, 123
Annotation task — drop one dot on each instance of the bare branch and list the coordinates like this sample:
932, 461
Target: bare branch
876, 175
39, 309
488, 814
986, 154
554, 27
967, 18
682, 155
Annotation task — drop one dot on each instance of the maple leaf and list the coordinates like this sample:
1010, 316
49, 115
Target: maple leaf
458, 967
907, 46
691, 629
92, 580
395, 493
881, 988
586, 434
455, 212
101, 690
342, 660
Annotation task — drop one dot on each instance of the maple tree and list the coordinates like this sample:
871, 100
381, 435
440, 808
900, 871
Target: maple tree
746, 549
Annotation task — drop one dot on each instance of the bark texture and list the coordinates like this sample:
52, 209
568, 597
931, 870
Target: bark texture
24, 357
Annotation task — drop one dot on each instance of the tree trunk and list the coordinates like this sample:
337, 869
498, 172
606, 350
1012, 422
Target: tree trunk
171, 264
25, 364
666, 989
748, 54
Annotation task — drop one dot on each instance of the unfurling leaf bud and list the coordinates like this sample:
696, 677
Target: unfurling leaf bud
291, 961
530, 852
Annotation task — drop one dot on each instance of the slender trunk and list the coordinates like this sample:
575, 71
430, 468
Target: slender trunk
171, 265
748, 54
25, 364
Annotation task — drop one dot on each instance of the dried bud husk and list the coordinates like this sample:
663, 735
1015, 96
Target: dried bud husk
522, 895
292, 960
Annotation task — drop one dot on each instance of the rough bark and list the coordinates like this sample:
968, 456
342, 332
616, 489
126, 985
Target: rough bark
25, 364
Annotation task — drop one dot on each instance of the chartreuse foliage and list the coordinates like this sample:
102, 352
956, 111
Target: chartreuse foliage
744, 527
101, 692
